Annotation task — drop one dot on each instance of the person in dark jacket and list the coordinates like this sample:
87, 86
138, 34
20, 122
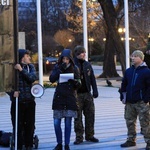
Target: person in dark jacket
86, 93
135, 89
147, 58
65, 96
26, 102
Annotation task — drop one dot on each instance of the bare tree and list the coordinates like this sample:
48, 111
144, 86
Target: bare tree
64, 38
113, 15
113, 42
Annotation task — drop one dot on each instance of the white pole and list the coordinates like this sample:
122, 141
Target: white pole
16, 125
40, 55
85, 35
127, 34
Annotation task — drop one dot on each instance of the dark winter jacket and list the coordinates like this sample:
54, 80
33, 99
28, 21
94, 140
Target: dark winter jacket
89, 77
136, 83
65, 96
26, 77
147, 59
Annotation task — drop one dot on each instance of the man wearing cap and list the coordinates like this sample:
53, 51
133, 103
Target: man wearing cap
26, 103
135, 89
85, 98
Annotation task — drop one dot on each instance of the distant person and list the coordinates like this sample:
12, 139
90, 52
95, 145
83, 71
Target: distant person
26, 102
85, 98
65, 97
147, 58
135, 90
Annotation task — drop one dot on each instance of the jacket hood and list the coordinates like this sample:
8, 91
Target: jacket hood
141, 65
66, 53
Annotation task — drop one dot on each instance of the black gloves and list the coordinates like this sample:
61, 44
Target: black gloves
95, 95
63, 67
75, 83
72, 81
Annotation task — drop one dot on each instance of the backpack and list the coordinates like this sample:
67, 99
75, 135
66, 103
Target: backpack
5, 138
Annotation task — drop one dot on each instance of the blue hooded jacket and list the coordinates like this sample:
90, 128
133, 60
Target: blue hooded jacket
136, 84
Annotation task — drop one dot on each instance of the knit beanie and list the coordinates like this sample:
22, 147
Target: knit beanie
22, 52
78, 50
139, 54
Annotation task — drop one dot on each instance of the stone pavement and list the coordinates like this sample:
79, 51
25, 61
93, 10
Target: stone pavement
110, 127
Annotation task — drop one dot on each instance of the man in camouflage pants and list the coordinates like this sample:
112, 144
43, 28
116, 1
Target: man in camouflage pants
85, 98
135, 90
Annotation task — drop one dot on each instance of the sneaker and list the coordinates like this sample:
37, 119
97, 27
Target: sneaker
128, 144
147, 146
58, 147
78, 141
67, 147
93, 139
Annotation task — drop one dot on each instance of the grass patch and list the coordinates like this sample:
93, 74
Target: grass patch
49, 85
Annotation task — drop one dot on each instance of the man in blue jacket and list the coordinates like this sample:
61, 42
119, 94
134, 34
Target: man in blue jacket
86, 93
135, 89
26, 105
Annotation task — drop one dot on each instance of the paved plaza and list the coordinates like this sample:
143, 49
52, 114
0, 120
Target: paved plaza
110, 127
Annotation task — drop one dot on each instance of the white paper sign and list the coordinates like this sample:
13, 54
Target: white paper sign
65, 77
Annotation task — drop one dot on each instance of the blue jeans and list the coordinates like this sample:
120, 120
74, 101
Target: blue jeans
58, 130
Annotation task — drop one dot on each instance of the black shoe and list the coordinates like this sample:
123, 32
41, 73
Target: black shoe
93, 139
28, 148
78, 141
147, 146
128, 144
67, 147
58, 147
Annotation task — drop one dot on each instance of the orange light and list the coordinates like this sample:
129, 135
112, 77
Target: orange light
47, 62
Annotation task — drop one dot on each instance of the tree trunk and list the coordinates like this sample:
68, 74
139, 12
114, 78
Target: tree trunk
113, 41
109, 66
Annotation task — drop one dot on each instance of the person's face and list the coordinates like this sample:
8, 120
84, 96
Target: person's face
26, 59
66, 60
136, 60
82, 56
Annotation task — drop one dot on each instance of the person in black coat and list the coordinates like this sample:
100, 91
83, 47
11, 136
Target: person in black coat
86, 94
65, 96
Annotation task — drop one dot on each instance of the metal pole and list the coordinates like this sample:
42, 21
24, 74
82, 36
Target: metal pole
85, 35
39, 31
15, 26
127, 34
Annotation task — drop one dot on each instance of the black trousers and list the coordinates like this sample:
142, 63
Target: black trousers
26, 122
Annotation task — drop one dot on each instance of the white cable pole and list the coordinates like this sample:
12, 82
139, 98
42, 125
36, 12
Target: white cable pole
39, 31
85, 35
127, 50
16, 125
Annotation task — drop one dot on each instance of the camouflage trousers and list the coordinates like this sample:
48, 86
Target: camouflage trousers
86, 107
142, 111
